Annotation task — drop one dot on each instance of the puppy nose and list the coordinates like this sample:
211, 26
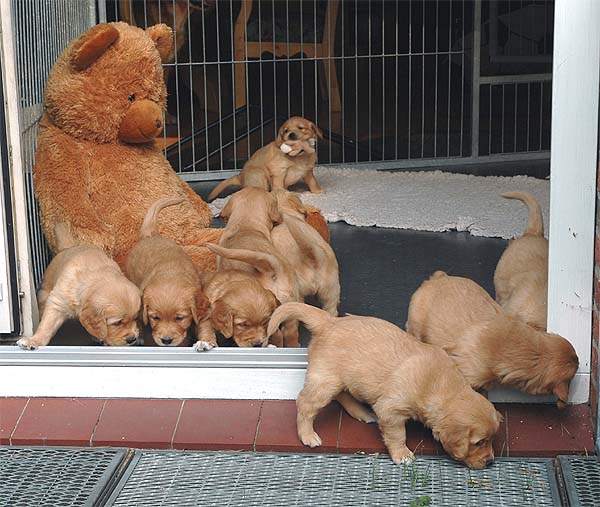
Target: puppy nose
292, 135
257, 344
489, 461
167, 340
158, 124
131, 339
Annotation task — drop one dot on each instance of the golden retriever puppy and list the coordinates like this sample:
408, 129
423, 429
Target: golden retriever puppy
172, 296
240, 309
270, 167
521, 277
307, 252
82, 283
489, 346
246, 245
367, 360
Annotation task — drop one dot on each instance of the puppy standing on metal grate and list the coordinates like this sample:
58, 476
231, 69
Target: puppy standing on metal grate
281, 163
364, 359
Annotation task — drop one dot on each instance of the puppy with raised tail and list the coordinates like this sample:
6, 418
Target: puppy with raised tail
281, 163
172, 297
310, 256
489, 346
521, 277
360, 360
82, 282
246, 245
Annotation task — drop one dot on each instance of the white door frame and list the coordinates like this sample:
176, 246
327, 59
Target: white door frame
279, 373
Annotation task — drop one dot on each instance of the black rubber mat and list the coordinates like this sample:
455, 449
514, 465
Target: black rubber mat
581, 476
58, 476
172, 478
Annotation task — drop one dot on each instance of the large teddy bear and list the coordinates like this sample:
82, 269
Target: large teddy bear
97, 166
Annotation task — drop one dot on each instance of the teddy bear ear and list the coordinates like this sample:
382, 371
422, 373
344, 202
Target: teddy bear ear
162, 35
93, 44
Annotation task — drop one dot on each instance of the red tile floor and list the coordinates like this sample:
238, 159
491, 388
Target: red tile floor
528, 430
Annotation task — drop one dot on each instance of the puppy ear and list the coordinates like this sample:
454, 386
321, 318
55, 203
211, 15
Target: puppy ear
562, 392
222, 318
280, 131
455, 442
92, 45
145, 314
162, 35
500, 417
201, 306
318, 132
92, 320
225, 213
274, 213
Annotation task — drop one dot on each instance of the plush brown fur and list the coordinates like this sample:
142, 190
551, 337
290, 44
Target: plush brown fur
489, 346
82, 282
310, 256
270, 168
172, 298
246, 245
521, 277
97, 166
367, 360
241, 309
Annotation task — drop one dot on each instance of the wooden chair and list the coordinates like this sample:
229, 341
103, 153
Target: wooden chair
245, 49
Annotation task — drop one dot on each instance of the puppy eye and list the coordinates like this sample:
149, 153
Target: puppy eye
481, 442
154, 317
117, 323
131, 98
285, 130
243, 325
179, 318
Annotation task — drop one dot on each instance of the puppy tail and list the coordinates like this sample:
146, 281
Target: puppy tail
535, 221
150, 225
311, 316
262, 262
234, 180
64, 238
308, 240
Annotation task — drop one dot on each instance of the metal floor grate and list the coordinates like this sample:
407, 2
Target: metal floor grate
269, 479
31, 476
581, 476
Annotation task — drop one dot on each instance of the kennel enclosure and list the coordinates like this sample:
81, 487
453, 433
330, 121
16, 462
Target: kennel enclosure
394, 85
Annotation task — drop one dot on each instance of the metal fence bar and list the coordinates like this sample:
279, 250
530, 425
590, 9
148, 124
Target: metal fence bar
476, 79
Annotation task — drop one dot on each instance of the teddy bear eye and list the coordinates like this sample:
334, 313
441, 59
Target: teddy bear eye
131, 98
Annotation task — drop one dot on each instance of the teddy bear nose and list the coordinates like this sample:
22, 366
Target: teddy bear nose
142, 122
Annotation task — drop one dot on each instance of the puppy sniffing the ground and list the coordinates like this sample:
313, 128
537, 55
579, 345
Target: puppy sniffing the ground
169, 281
246, 245
307, 252
82, 282
241, 309
489, 346
521, 277
367, 360
270, 167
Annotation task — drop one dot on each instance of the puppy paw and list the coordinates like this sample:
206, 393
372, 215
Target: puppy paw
27, 344
311, 440
318, 191
201, 346
402, 457
368, 417
271, 346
